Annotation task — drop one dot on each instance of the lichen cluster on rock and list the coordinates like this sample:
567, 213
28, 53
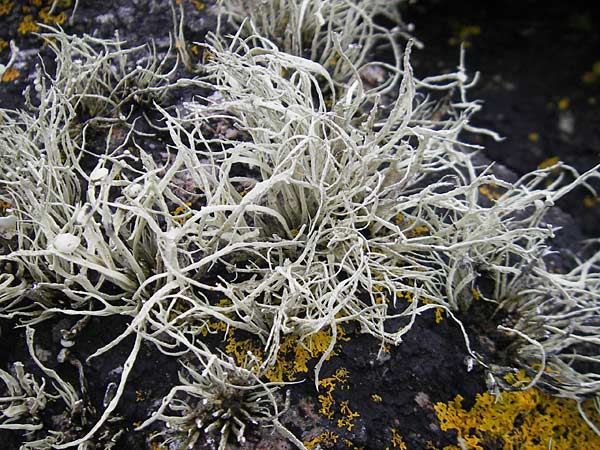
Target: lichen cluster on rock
305, 188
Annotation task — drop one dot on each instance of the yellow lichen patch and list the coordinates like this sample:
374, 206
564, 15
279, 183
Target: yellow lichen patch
140, 396
3, 45
397, 441
476, 294
376, 398
349, 444
464, 35
590, 202
343, 412
46, 17
525, 420
324, 440
405, 295
409, 227
564, 103
549, 162
28, 25
592, 75
179, 213
10, 74
417, 231
326, 400
490, 191
4, 205
293, 356
348, 416
533, 136
200, 6
5, 7
333, 60
439, 312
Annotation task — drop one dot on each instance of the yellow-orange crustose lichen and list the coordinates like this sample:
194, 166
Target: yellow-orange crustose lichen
46, 17
490, 191
293, 356
464, 34
348, 416
28, 25
180, 213
5, 7
10, 74
200, 6
549, 162
523, 420
396, 441
326, 400
325, 439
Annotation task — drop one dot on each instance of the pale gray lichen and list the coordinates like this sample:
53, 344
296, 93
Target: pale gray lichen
220, 401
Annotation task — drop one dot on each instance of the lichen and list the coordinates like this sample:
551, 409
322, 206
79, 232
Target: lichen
524, 420
326, 399
28, 25
10, 74
396, 441
324, 440
5, 7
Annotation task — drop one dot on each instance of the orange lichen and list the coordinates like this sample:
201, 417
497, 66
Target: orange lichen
376, 398
397, 441
28, 25
200, 6
293, 356
46, 17
490, 191
592, 75
464, 35
5, 7
409, 227
405, 295
326, 400
325, 439
525, 420
348, 416
178, 212
549, 162
10, 74
564, 103
590, 202
417, 231
439, 312
333, 60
